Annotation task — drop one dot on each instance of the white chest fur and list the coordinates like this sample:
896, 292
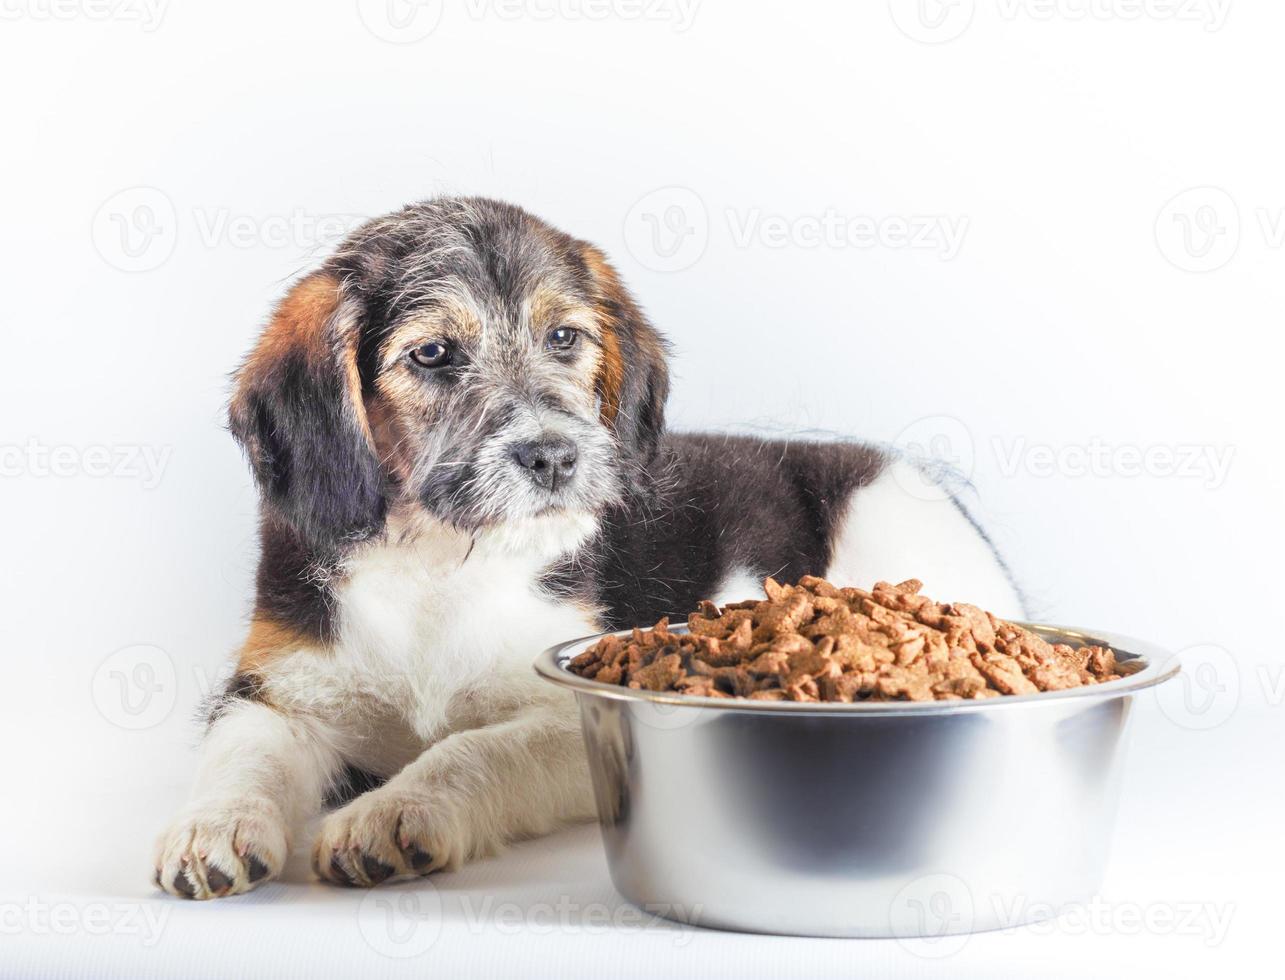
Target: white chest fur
443, 628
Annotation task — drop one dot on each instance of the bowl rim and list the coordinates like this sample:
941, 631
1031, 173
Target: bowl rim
1157, 666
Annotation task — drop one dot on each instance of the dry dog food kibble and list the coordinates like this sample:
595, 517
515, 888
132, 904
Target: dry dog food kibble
816, 642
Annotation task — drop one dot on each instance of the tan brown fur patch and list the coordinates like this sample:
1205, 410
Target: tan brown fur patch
298, 323
267, 641
304, 323
611, 375
611, 368
550, 308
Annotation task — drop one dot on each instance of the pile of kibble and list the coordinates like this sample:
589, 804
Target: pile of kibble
815, 642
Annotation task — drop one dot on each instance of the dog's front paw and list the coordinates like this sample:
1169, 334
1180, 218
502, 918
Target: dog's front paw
215, 851
386, 834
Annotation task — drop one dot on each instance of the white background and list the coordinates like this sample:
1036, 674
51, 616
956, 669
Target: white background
1110, 171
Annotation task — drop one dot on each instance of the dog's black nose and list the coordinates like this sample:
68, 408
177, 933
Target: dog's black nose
549, 462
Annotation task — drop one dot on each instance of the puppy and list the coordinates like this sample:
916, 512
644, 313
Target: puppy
456, 425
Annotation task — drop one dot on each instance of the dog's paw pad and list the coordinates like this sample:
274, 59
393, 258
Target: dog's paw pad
258, 870
376, 870
216, 880
381, 835
216, 852
339, 872
180, 884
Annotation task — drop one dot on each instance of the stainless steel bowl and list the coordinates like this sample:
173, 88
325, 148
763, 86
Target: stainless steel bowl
872, 819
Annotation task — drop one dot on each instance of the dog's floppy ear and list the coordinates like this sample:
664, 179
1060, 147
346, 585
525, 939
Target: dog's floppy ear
633, 379
298, 412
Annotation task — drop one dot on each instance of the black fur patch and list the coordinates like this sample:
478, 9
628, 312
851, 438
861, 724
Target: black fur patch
308, 454
240, 687
710, 504
292, 585
350, 784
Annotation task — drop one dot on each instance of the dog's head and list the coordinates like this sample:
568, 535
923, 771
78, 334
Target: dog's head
459, 358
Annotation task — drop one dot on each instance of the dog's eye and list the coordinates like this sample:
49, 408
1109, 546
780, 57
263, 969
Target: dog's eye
431, 355
562, 338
